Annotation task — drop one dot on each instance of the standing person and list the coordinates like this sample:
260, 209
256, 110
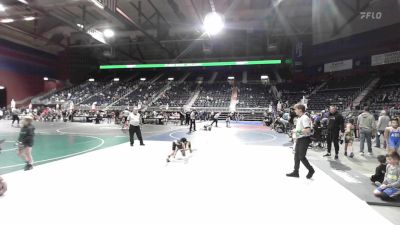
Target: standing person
303, 133
335, 124
187, 118
181, 117
15, 116
25, 142
392, 135
192, 121
228, 120
134, 127
383, 122
366, 125
1, 113
125, 115
349, 138
3, 187
215, 119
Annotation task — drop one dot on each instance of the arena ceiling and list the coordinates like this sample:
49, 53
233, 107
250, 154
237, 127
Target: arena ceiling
158, 30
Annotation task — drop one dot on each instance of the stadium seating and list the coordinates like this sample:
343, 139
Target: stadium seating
254, 96
214, 95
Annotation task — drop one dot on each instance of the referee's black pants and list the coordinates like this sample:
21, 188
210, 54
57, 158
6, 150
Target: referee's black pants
300, 154
192, 124
132, 131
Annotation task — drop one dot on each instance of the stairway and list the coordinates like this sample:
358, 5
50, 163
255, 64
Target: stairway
365, 92
126, 94
213, 77
318, 88
184, 78
234, 99
244, 77
277, 76
194, 97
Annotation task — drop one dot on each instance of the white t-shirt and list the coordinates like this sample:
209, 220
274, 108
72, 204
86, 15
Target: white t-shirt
303, 122
133, 119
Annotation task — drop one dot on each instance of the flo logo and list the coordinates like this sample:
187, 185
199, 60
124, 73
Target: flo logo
371, 15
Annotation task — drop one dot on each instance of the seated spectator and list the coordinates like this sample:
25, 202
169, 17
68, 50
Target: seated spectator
390, 188
380, 171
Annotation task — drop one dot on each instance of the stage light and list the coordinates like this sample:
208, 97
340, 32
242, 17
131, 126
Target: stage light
91, 79
108, 33
2, 87
170, 78
116, 79
213, 23
264, 77
98, 4
79, 25
231, 78
2, 8
8, 20
142, 79
29, 18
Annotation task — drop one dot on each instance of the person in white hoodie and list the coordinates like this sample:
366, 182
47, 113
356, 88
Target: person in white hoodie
367, 128
383, 122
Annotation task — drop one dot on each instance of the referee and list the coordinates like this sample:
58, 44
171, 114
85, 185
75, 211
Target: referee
303, 133
134, 126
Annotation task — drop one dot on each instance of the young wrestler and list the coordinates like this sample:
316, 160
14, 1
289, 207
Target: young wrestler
180, 145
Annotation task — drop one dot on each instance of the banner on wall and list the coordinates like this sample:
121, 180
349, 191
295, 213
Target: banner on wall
386, 58
338, 66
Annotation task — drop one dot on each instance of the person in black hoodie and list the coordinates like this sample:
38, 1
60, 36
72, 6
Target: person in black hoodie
335, 124
380, 171
25, 142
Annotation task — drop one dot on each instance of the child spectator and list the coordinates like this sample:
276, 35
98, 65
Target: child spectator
380, 171
390, 188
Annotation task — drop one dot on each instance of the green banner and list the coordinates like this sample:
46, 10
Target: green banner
208, 64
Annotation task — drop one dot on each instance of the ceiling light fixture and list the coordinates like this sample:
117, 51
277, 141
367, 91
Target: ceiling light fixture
213, 23
8, 20
2, 8
29, 18
98, 4
108, 33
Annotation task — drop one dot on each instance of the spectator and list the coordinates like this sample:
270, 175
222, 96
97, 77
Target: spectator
380, 171
390, 188
366, 125
335, 124
383, 122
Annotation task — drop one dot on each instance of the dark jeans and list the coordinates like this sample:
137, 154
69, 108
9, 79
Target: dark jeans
192, 123
365, 135
132, 131
215, 121
378, 139
333, 136
300, 154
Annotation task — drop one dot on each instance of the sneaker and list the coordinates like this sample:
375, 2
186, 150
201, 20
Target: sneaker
336, 157
293, 174
377, 183
142, 144
345, 153
131, 145
362, 153
327, 154
168, 160
351, 155
370, 154
310, 173
28, 167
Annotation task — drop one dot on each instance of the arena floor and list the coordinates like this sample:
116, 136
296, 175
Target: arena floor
88, 174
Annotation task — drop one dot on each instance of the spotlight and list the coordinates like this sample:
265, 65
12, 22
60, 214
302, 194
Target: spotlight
170, 78
29, 18
231, 78
79, 25
213, 23
264, 77
7, 20
108, 33
142, 79
116, 79
91, 79
45, 78
2, 8
2, 87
